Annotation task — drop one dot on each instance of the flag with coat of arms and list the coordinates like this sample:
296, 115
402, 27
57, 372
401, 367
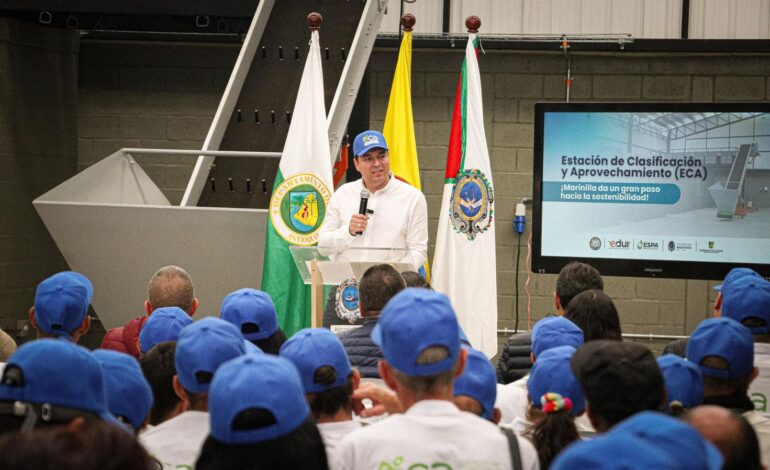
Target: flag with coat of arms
301, 193
464, 263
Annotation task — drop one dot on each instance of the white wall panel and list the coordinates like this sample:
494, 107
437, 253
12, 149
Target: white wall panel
730, 19
428, 13
497, 17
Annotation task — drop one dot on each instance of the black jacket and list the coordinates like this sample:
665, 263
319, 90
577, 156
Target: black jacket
362, 351
515, 362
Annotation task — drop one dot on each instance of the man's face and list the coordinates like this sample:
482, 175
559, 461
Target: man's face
374, 167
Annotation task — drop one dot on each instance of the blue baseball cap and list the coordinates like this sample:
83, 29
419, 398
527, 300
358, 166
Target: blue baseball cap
725, 338
551, 373
551, 332
128, 393
164, 324
684, 381
478, 381
612, 452
256, 382
412, 321
252, 311
748, 297
672, 437
201, 348
736, 274
312, 348
56, 372
368, 140
61, 302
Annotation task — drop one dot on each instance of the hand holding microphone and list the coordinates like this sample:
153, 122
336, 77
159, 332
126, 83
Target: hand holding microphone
358, 221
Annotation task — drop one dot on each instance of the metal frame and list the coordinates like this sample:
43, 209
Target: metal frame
227, 104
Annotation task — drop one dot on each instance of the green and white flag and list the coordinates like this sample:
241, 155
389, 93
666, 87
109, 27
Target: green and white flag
464, 263
300, 196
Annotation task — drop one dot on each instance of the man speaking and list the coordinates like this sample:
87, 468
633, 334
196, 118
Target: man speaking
394, 215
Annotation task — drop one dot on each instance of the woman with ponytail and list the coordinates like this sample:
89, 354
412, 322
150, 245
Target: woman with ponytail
555, 400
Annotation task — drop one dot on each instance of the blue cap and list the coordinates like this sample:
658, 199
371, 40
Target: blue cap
736, 274
684, 382
645, 440
57, 372
551, 373
201, 348
747, 297
164, 324
128, 393
368, 140
61, 302
412, 321
724, 338
252, 311
312, 348
551, 332
478, 381
678, 440
262, 382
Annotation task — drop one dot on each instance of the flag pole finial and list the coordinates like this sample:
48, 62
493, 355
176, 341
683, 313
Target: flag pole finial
314, 21
473, 23
408, 21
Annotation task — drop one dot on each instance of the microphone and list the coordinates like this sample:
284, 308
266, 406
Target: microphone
362, 205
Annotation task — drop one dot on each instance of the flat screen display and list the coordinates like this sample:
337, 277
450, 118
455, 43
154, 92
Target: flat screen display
652, 189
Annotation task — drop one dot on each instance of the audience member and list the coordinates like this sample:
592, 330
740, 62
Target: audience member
645, 440
202, 347
129, 396
164, 325
731, 433
328, 381
48, 382
253, 312
475, 390
377, 286
573, 279
82, 445
170, 286
159, 369
415, 279
724, 350
61, 306
259, 418
595, 313
555, 400
420, 340
684, 384
618, 380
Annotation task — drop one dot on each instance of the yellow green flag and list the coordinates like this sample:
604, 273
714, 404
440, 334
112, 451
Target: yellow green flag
399, 123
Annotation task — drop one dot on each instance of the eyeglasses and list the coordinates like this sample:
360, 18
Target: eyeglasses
369, 159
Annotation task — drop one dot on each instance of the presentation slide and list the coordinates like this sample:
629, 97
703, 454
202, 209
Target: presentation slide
656, 186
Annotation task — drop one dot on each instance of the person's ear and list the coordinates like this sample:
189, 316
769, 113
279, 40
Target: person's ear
194, 306
356, 164
82, 329
754, 374
180, 392
557, 304
386, 374
496, 415
33, 321
718, 306
356, 376
532, 357
148, 307
462, 359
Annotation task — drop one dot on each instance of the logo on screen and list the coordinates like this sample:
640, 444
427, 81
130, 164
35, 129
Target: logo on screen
619, 244
711, 245
643, 245
595, 243
671, 245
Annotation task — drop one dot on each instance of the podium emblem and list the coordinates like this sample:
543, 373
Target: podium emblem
346, 301
471, 207
297, 208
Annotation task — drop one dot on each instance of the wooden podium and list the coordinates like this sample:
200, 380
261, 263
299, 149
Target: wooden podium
319, 270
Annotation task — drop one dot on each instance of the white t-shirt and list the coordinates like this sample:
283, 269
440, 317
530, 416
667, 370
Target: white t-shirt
176, 443
759, 390
761, 425
512, 401
332, 434
400, 220
431, 432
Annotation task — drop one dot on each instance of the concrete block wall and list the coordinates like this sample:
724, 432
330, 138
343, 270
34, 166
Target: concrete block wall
512, 83
150, 95
38, 150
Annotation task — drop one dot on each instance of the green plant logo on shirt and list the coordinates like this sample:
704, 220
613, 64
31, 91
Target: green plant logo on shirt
398, 464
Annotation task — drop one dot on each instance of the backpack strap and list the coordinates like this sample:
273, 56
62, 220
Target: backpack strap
513, 446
